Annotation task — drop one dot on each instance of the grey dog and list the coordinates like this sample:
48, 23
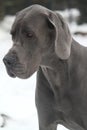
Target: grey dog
42, 42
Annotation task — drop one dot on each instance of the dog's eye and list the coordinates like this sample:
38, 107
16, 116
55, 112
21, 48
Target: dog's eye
28, 34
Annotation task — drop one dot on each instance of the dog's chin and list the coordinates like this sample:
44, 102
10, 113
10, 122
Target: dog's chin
25, 76
11, 74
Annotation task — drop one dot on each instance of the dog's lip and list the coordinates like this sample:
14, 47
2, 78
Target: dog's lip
11, 73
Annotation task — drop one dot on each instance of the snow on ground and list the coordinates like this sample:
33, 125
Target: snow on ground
16, 95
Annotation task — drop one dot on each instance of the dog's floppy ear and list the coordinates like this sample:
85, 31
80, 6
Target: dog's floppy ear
63, 37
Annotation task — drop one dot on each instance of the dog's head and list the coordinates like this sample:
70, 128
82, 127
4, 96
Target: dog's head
36, 32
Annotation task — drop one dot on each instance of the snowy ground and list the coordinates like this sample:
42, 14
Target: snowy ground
16, 95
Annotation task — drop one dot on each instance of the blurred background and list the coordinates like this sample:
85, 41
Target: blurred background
10, 7
17, 97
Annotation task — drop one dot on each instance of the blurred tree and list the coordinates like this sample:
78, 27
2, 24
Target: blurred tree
13, 6
82, 5
46, 3
59, 4
2, 11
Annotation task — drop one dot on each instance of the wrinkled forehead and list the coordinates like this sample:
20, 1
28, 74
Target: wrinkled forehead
29, 18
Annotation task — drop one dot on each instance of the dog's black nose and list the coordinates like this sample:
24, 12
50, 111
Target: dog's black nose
7, 61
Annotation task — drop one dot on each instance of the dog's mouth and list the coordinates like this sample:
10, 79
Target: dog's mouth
11, 73
17, 71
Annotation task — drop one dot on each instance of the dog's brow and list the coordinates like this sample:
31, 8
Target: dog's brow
26, 29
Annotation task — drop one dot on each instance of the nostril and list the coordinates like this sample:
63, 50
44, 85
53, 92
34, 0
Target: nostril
7, 61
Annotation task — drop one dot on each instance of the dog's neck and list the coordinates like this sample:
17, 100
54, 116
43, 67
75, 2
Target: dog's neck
53, 66
56, 73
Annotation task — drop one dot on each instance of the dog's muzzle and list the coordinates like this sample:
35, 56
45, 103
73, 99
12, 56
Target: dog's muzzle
10, 64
